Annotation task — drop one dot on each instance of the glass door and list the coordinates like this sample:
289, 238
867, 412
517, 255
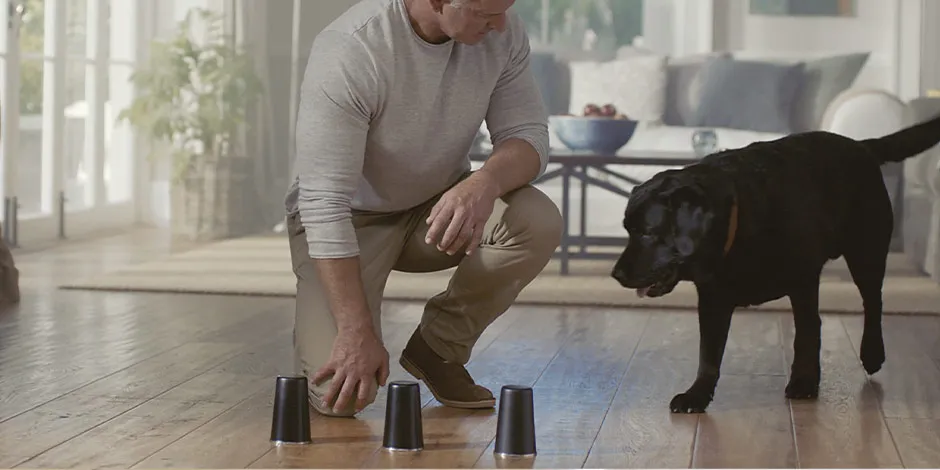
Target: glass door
11, 16
68, 168
29, 102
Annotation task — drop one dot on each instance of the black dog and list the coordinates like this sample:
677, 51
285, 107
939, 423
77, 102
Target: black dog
755, 224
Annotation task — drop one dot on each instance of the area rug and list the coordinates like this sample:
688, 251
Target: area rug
261, 266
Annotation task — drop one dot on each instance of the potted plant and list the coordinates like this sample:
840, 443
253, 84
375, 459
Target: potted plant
195, 95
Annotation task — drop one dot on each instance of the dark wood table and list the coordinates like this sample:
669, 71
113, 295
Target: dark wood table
575, 165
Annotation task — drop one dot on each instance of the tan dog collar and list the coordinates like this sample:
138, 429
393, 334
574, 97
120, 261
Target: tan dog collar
732, 226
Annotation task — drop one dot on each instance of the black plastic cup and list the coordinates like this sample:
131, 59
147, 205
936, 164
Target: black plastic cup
403, 429
515, 425
290, 423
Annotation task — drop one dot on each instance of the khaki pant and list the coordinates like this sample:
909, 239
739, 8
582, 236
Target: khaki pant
521, 235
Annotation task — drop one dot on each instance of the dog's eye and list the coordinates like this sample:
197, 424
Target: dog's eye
654, 216
653, 239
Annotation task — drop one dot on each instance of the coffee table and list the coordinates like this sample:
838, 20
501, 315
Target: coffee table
574, 165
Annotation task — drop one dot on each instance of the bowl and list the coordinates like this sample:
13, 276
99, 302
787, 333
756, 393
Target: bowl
595, 134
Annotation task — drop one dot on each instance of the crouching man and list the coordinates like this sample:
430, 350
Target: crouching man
392, 98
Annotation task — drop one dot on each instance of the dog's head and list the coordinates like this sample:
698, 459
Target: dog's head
673, 224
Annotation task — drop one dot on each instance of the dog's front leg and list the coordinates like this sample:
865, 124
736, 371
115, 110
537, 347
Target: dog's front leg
807, 341
714, 322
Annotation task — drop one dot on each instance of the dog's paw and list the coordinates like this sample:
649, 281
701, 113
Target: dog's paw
802, 388
872, 354
690, 402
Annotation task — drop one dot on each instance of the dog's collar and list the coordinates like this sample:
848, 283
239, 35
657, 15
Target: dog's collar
732, 226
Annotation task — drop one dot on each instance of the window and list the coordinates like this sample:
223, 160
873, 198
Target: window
68, 167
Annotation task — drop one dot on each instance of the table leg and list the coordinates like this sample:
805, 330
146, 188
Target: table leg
565, 216
583, 214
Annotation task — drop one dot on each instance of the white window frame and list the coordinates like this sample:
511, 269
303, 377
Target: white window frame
56, 221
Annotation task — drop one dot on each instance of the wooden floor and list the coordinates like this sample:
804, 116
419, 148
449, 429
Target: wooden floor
149, 380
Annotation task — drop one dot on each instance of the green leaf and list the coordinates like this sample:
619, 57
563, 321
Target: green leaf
194, 95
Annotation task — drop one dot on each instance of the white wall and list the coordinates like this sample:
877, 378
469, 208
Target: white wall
872, 29
678, 27
930, 52
889, 29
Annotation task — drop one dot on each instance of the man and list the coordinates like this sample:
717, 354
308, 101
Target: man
394, 94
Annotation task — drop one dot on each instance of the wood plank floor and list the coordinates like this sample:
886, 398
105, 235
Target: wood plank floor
121, 380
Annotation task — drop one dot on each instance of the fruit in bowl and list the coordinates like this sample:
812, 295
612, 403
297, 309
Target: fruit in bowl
599, 129
606, 111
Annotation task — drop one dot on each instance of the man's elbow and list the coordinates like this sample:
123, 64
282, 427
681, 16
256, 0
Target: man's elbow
327, 221
536, 135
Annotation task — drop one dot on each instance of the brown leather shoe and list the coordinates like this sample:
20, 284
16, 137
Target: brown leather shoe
450, 383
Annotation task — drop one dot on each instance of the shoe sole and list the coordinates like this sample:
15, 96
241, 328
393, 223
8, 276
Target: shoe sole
414, 370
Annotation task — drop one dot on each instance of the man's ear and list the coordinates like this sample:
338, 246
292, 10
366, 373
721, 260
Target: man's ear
437, 5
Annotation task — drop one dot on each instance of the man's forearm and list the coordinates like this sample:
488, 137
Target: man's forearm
341, 279
513, 164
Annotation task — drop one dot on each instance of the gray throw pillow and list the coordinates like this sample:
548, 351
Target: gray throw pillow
552, 79
684, 86
747, 95
823, 80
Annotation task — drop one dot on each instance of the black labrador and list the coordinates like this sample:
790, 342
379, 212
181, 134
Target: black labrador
758, 223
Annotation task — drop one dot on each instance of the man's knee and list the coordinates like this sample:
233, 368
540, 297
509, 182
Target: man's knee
316, 402
535, 219
317, 392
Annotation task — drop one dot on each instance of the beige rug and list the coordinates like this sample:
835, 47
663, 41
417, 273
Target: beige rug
261, 266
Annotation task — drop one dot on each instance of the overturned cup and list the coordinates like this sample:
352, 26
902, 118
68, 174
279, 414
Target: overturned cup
515, 426
290, 423
403, 428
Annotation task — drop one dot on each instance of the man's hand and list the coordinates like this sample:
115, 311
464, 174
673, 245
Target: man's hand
457, 220
358, 359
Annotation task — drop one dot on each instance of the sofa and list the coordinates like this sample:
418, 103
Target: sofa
743, 96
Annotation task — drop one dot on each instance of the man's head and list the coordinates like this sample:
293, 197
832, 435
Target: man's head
468, 21
672, 224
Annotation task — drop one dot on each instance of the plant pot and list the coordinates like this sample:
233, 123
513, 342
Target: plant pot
220, 202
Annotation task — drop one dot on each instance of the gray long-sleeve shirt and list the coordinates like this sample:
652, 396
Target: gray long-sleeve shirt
386, 119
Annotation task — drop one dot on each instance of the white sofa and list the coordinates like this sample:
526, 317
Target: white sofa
837, 92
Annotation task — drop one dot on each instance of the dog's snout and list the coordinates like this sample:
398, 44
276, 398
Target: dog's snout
624, 269
619, 274
622, 275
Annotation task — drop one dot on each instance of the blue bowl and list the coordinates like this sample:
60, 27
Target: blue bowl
600, 135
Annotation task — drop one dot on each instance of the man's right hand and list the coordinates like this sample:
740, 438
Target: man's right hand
358, 359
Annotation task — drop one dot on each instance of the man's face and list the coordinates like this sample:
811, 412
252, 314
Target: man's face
470, 20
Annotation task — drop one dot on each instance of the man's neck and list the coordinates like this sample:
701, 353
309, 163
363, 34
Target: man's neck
424, 22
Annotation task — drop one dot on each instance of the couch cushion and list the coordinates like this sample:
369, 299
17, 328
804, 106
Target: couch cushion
823, 80
825, 76
636, 85
551, 76
749, 95
684, 87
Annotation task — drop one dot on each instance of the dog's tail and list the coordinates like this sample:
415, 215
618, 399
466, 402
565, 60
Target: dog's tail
907, 142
